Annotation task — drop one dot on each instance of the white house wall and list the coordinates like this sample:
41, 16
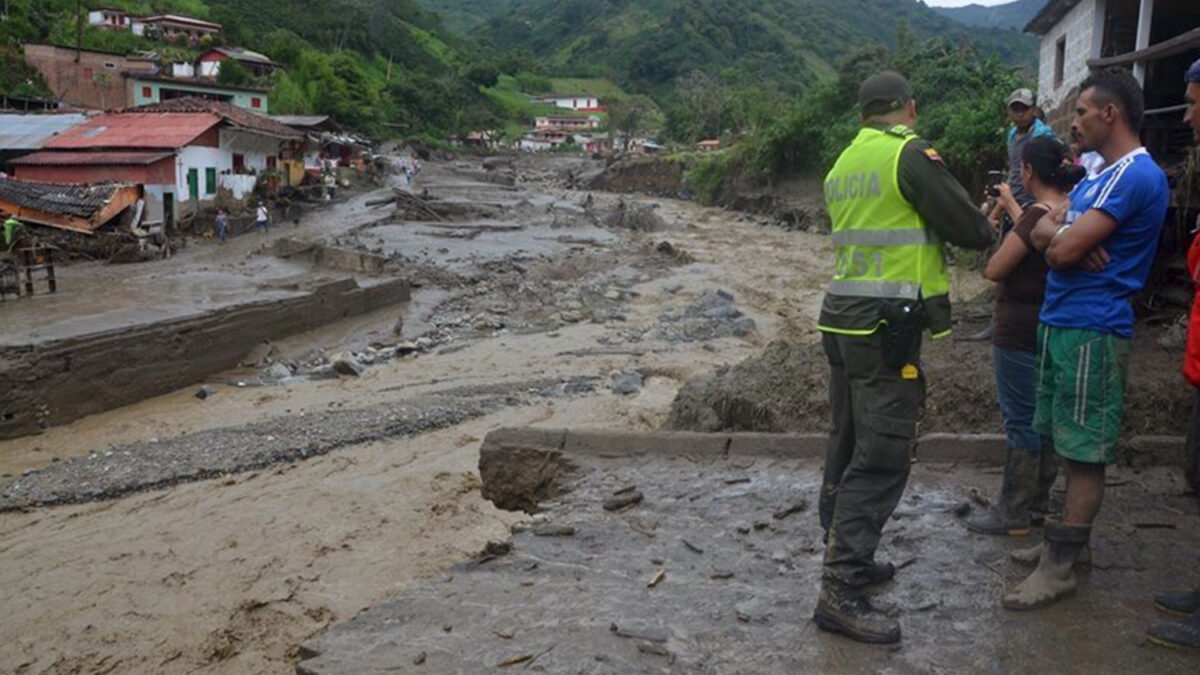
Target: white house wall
208, 68
1083, 27
199, 158
256, 148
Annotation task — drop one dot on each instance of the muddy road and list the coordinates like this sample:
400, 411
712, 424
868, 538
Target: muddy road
219, 554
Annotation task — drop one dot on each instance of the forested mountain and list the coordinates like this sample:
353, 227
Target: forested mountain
647, 44
463, 15
1014, 15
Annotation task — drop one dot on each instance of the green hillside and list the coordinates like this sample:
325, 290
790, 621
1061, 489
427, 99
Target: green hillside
646, 44
463, 15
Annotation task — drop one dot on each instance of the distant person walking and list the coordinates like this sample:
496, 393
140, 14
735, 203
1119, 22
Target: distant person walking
222, 225
261, 217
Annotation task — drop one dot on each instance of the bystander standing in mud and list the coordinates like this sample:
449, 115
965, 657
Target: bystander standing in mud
1186, 633
1030, 468
1100, 246
1027, 122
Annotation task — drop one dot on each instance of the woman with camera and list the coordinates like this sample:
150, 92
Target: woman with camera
1030, 469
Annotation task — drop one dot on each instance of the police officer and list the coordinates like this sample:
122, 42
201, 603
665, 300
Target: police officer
893, 204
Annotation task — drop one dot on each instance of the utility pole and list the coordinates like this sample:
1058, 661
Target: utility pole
78, 29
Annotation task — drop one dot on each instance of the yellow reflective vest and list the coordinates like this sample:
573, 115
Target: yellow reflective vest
884, 249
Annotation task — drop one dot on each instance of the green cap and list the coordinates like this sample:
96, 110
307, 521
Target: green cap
883, 92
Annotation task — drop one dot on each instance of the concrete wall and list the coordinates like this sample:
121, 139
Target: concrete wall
1083, 28
58, 382
96, 81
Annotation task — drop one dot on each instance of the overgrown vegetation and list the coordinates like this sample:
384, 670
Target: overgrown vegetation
960, 96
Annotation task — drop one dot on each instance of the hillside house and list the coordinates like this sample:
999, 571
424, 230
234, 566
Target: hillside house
571, 101
208, 64
109, 17
564, 123
540, 141
182, 152
153, 88
89, 78
1156, 39
173, 28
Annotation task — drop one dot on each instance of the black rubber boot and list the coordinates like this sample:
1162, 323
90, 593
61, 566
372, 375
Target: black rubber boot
1009, 516
845, 610
1054, 578
1047, 474
1185, 634
1183, 603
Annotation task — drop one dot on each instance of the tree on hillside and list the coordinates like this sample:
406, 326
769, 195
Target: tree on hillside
704, 97
630, 117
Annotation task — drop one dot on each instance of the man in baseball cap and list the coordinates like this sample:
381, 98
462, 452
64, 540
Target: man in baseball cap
893, 203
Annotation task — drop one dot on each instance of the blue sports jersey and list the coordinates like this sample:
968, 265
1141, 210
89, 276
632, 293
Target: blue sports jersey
1133, 191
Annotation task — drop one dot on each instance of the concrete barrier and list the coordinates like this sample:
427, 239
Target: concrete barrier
521, 467
56, 382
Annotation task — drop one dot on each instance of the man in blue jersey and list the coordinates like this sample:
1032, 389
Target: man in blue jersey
1100, 249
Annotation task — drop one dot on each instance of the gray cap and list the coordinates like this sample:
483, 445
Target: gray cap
1022, 96
883, 92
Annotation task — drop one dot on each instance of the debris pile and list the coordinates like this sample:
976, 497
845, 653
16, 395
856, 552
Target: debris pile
636, 217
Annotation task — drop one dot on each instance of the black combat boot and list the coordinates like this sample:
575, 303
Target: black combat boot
845, 610
1010, 515
880, 572
1185, 633
1183, 603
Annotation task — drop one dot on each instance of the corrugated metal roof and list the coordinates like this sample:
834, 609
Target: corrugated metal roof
80, 201
300, 120
231, 113
30, 132
136, 130
240, 54
97, 158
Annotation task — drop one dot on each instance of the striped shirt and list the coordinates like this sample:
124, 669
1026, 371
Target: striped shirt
1132, 191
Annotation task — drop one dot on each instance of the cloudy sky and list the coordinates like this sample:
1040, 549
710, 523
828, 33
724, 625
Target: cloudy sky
960, 3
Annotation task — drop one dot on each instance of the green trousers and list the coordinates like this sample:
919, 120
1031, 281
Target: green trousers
875, 411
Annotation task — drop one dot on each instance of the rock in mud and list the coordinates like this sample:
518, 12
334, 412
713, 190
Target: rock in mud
204, 392
346, 364
278, 371
628, 382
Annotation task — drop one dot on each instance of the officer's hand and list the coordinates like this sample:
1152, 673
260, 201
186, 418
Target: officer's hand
1096, 260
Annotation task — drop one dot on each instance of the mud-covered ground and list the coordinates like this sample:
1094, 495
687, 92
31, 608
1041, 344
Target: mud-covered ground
218, 533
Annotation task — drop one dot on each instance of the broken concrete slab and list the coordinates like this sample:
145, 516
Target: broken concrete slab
674, 584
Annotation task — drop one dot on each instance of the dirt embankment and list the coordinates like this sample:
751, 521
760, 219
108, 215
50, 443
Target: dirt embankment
658, 176
786, 389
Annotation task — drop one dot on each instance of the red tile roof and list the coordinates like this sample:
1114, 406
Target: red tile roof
90, 158
237, 116
140, 130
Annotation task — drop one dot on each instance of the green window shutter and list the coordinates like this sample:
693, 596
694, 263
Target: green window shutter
210, 180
